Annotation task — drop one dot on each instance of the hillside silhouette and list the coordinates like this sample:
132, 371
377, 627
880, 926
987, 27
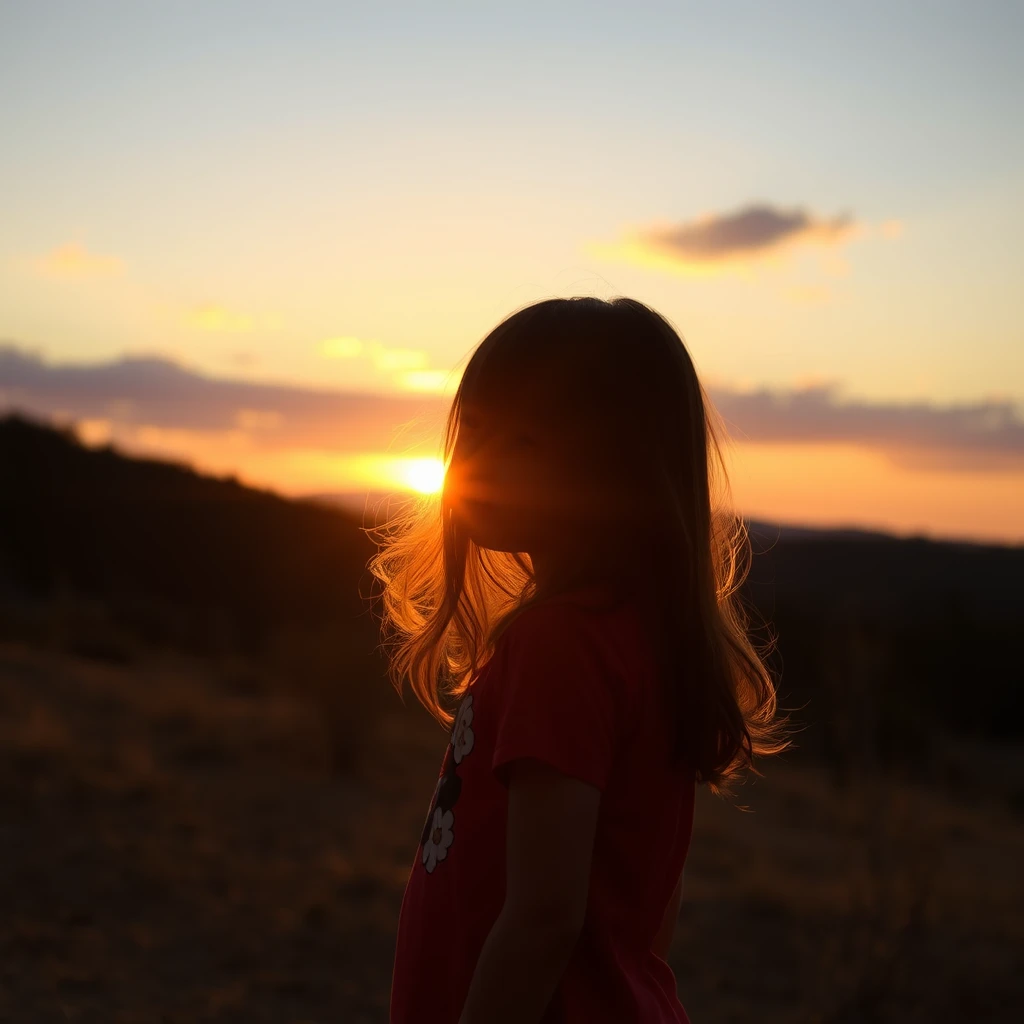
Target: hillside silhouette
878, 637
145, 532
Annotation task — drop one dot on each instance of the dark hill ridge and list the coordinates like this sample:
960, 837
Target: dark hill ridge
138, 532
870, 570
878, 636
366, 503
914, 578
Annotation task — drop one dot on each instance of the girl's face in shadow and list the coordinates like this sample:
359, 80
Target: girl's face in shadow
518, 481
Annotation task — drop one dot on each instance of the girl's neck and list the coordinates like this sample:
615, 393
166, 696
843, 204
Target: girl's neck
552, 577
554, 571
564, 568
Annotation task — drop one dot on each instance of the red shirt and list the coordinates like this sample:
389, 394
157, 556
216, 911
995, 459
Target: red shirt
574, 685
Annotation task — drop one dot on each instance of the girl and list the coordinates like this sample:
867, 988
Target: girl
571, 598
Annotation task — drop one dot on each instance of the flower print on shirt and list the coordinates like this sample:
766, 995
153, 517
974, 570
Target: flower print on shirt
446, 794
439, 828
439, 838
462, 734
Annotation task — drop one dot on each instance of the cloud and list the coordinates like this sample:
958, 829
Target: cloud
211, 317
75, 261
383, 358
158, 394
715, 242
407, 365
165, 400
985, 435
753, 229
425, 380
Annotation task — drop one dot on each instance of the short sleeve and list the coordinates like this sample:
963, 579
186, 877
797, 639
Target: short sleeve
556, 699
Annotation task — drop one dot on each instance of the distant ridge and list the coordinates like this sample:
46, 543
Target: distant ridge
162, 545
921, 632
373, 503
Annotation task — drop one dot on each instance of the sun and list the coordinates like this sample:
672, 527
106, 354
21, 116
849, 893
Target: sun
424, 475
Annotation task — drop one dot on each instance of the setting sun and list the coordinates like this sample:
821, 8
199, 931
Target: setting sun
424, 475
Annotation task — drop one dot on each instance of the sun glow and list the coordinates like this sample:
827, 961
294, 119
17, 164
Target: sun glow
372, 471
423, 475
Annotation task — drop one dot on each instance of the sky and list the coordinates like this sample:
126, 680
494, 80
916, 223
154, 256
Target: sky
266, 237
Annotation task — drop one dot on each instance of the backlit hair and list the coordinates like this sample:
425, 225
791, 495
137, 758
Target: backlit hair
621, 368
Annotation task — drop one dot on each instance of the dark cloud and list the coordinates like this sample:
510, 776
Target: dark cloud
983, 435
749, 231
153, 391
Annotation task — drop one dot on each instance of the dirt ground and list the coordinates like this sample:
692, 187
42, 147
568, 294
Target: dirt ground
174, 847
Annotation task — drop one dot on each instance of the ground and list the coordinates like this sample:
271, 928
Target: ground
176, 846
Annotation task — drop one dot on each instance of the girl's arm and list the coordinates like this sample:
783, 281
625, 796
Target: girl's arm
663, 940
552, 819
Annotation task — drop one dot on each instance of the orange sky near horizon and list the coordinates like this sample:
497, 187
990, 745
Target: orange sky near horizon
806, 484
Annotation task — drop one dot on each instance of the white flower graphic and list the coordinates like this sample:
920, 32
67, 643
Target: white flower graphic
462, 734
439, 839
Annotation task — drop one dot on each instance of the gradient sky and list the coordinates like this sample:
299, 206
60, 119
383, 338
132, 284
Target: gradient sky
298, 218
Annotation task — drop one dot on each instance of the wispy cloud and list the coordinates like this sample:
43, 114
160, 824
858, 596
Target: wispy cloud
73, 260
212, 317
726, 241
155, 393
408, 366
981, 435
752, 230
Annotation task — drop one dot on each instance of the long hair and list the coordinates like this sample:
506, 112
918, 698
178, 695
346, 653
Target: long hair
621, 369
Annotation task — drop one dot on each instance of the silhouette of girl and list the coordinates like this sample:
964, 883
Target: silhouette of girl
568, 610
